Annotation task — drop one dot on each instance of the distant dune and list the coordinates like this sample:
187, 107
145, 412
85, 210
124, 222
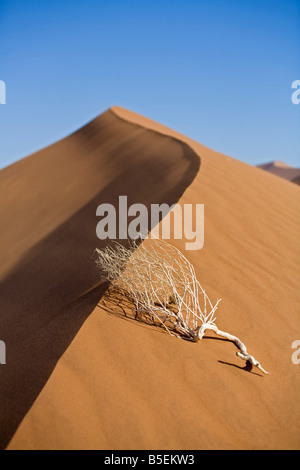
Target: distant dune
281, 169
78, 377
296, 180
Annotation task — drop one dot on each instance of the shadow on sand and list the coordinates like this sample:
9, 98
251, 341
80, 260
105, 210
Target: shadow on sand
49, 294
114, 302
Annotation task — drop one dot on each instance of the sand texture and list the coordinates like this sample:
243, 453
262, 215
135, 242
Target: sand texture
81, 377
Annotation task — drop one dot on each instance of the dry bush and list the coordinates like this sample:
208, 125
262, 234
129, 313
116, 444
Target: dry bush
161, 285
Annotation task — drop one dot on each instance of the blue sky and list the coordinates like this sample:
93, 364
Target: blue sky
217, 71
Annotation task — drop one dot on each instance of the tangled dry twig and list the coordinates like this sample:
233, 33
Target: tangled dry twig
162, 283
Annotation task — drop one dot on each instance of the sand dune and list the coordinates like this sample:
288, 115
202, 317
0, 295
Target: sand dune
78, 377
281, 169
296, 180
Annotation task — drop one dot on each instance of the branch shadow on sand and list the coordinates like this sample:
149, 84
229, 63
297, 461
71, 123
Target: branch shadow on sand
115, 302
247, 368
53, 289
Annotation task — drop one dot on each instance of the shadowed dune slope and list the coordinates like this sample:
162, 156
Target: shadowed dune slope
296, 180
49, 283
126, 385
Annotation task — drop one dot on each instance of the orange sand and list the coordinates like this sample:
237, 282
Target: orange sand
79, 378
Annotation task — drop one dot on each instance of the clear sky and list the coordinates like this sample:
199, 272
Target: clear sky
217, 71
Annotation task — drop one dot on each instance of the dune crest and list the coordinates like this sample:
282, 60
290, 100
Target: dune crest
49, 281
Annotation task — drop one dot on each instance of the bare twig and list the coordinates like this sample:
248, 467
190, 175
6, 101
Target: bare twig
161, 282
